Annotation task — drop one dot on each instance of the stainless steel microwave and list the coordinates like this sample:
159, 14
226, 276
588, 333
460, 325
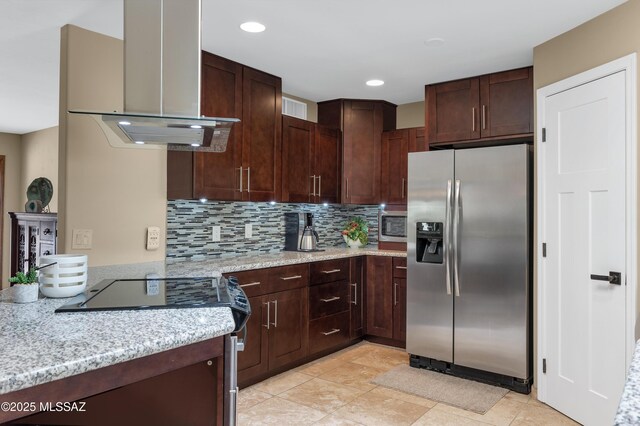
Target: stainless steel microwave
392, 226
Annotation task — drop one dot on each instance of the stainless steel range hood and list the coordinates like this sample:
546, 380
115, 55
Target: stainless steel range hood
162, 61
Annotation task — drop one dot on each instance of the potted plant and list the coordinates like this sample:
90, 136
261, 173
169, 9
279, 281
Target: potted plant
355, 233
25, 286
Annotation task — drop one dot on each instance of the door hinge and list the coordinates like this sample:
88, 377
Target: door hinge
544, 365
544, 134
544, 249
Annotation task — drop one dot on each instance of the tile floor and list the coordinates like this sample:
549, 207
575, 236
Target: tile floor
335, 390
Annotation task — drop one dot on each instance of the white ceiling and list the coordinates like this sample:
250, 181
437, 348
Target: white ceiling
322, 49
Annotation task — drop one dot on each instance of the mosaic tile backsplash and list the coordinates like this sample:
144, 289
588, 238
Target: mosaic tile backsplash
189, 226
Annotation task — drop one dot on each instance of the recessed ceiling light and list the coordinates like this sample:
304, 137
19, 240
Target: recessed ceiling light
140, 142
123, 123
253, 27
375, 83
434, 42
196, 126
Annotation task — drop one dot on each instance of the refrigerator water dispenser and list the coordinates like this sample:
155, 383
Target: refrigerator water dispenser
429, 242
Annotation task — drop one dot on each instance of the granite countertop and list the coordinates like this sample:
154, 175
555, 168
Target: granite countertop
269, 260
629, 408
40, 346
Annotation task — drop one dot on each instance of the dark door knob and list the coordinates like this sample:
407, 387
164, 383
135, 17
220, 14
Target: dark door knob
612, 278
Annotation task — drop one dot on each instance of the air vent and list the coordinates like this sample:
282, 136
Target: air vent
294, 108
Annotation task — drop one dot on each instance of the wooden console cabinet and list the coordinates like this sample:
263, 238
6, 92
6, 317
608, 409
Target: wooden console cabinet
32, 235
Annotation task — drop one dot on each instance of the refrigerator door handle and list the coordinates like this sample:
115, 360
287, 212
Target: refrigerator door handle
447, 236
456, 226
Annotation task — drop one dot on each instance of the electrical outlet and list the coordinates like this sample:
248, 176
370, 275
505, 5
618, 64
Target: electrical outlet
215, 233
248, 230
81, 239
153, 238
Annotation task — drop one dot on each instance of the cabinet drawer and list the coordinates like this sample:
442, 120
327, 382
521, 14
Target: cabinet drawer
288, 277
328, 299
254, 282
47, 231
327, 332
46, 249
329, 270
399, 267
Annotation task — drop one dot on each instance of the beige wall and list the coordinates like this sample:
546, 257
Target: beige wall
312, 107
607, 37
410, 115
115, 192
13, 194
40, 159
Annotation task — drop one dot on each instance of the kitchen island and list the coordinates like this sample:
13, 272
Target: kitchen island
68, 357
50, 358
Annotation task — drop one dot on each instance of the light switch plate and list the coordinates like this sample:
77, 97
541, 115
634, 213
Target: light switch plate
248, 230
81, 239
153, 238
215, 233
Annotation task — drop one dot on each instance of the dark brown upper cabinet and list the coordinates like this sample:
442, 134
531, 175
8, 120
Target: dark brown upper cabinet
506, 103
310, 162
393, 178
250, 168
417, 140
361, 123
396, 145
496, 106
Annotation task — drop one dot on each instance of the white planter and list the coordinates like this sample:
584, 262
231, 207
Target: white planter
352, 243
67, 278
25, 293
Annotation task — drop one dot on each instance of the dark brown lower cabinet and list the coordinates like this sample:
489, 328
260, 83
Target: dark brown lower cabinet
379, 297
328, 332
254, 359
288, 338
387, 298
277, 330
400, 309
182, 386
356, 296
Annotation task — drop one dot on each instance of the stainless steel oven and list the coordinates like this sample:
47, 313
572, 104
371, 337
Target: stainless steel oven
392, 226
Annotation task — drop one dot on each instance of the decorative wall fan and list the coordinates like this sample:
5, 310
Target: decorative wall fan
39, 194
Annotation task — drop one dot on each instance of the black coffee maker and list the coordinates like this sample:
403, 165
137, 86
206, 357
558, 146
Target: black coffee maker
300, 234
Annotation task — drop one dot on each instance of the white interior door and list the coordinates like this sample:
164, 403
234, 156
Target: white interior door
583, 192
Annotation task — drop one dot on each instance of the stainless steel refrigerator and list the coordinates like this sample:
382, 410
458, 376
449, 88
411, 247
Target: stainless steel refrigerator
469, 263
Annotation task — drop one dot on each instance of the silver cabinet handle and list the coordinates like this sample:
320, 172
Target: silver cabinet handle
334, 331
403, 188
395, 294
355, 293
293, 277
332, 271
456, 225
248, 179
268, 315
401, 267
314, 185
275, 314
484, 117
331, 299
347, 188
250, 284
473, 119
447, 239
319, 186
240, 168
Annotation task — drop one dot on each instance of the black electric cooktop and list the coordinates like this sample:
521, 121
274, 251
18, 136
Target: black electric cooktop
163, 293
